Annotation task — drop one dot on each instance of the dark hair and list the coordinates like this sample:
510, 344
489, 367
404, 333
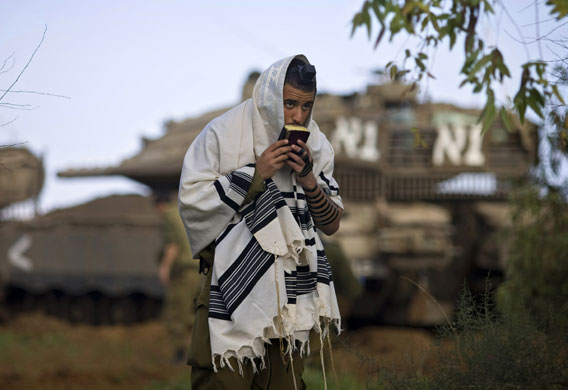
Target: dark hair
301, 75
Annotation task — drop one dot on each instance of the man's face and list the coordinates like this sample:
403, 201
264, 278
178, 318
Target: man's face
297, 105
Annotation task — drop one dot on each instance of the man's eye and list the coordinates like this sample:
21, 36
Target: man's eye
289, 105
307, 106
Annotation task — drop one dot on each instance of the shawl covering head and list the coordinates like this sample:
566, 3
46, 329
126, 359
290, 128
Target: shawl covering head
270, 277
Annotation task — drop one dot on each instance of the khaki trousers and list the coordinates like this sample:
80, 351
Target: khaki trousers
278, 374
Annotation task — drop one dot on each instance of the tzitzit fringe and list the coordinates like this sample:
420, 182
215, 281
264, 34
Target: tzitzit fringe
281, 326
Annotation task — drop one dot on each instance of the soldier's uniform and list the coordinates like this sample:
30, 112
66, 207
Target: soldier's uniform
183, 286
346, 284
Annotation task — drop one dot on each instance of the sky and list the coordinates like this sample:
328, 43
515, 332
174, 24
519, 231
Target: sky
123, 68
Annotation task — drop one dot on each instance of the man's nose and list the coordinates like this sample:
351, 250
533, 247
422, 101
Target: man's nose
297, 115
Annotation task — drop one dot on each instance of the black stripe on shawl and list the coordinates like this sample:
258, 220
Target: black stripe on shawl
306, 280
265, 206
326, 180
217, 308
240, 183
226, 232
324, 270
243, 274
290, 195
229, 202
291, 282
310, 241
300, 282
302, 215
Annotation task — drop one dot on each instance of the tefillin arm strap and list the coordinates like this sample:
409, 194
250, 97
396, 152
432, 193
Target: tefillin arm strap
323, 210
308, 165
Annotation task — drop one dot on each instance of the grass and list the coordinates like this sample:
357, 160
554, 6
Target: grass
483, 349
313, 377
179, 382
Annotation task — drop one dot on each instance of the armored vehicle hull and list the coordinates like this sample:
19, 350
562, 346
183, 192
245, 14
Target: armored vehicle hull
94, 263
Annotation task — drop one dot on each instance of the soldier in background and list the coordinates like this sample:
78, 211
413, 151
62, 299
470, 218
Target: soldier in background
178, 272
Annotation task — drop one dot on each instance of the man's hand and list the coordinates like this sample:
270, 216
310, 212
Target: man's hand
272, 159
298, 161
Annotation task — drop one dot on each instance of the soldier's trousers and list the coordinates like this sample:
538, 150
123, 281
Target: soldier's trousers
277, 374
179, 307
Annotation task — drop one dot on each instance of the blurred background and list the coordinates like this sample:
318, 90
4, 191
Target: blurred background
100, 101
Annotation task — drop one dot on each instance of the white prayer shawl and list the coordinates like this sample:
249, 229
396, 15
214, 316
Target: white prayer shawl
271, 277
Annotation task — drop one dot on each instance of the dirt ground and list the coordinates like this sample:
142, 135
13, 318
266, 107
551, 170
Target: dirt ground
40, 352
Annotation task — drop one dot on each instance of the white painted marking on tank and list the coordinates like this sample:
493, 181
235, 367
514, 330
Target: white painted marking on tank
16, 253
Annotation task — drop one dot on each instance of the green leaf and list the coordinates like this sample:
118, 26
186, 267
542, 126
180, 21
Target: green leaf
377, 11
424, 24
393, 71
540, 69
469, 60
434, 21
452, 35
488, 114
506, 120
367, 22
557, 94
379, 37
536, 102
420, 64
479, 64
559, 7
356, 23
520, 102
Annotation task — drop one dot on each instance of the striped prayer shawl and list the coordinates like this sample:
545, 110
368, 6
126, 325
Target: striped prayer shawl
271, 277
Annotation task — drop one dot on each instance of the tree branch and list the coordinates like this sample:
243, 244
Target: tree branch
26, 66
518, 31
37, 93
7, 123
25, 107
11, 56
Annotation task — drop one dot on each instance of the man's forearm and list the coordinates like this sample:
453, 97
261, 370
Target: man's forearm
171, 251
325, 213
256, 186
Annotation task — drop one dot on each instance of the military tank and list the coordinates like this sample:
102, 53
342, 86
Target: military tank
426, 201
93, 263
21, 176
21, 180
420, 183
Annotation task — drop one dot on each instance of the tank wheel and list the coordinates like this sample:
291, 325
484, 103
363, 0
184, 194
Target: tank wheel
82, 310
151, 308
123, 311
54, 303
19, 301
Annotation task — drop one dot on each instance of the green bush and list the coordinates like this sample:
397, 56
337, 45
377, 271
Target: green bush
484, 350
537, 274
